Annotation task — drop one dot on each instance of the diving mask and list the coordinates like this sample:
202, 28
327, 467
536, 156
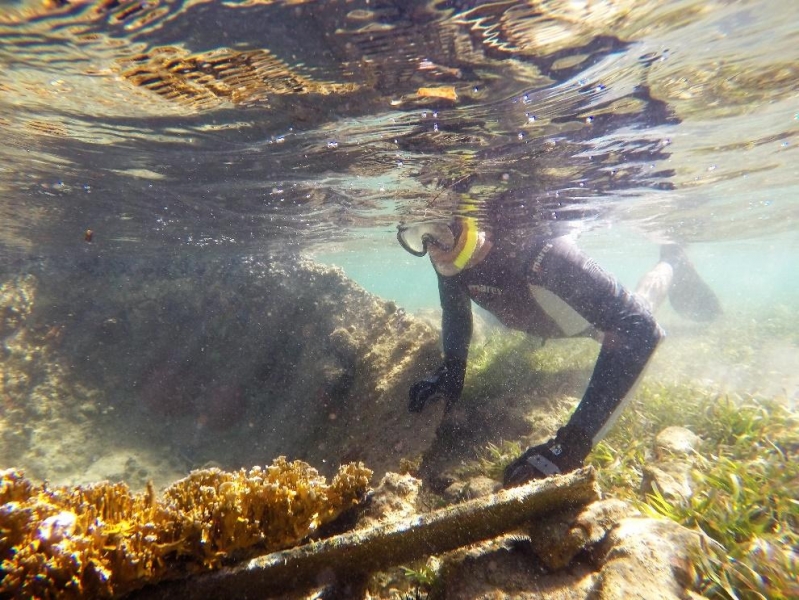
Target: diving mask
417, 237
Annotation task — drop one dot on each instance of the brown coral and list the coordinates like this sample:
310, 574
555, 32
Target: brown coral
102, 540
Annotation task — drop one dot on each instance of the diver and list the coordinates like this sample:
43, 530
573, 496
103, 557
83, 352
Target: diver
544, 285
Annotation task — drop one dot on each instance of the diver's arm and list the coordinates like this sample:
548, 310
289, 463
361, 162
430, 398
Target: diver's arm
630, 331
456, 333
456, 318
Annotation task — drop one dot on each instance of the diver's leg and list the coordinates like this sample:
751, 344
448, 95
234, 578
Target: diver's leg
653, 288
688, 294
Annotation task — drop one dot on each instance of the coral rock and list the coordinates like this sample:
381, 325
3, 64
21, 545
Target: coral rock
556, 541
676, 441
646, 558
102, 540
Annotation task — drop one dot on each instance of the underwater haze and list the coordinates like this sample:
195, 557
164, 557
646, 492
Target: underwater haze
199, 204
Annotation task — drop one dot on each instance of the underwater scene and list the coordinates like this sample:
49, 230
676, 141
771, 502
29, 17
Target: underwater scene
399, 299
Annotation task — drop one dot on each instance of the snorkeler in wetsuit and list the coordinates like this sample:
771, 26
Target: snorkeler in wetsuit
546, 286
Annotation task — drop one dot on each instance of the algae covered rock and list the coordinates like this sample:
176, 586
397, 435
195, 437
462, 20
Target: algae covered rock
182, 363
670, 475
102, 540
394, 498
647, 558
557, 540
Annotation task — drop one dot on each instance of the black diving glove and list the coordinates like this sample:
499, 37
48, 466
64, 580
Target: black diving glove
447, 381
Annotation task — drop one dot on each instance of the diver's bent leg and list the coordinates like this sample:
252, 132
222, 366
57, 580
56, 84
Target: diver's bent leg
654, 286
631, 332
688, 293
607, 394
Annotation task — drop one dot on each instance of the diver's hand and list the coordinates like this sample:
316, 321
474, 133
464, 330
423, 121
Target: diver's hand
447, 381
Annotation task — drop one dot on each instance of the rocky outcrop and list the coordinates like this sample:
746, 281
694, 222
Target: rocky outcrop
234, 363
603, 551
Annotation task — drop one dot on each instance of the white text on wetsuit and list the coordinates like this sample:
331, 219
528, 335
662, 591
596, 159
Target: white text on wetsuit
485, 289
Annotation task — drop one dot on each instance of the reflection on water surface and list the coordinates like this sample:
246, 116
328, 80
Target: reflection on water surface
205, 123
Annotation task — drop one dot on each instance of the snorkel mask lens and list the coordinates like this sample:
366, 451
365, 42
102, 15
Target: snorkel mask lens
416, 238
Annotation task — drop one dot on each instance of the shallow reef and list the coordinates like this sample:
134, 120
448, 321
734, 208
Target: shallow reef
98, 389
102, 540
143, 369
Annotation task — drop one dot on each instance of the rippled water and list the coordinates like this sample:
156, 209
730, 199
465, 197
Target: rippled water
241, 124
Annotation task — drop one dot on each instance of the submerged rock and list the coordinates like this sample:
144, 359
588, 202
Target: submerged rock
672, 480
233, 363
676, 441
670, 475
476, 487
558, 540
604, 550
646, 558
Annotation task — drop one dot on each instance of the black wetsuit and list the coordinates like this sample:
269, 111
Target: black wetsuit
525, 283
